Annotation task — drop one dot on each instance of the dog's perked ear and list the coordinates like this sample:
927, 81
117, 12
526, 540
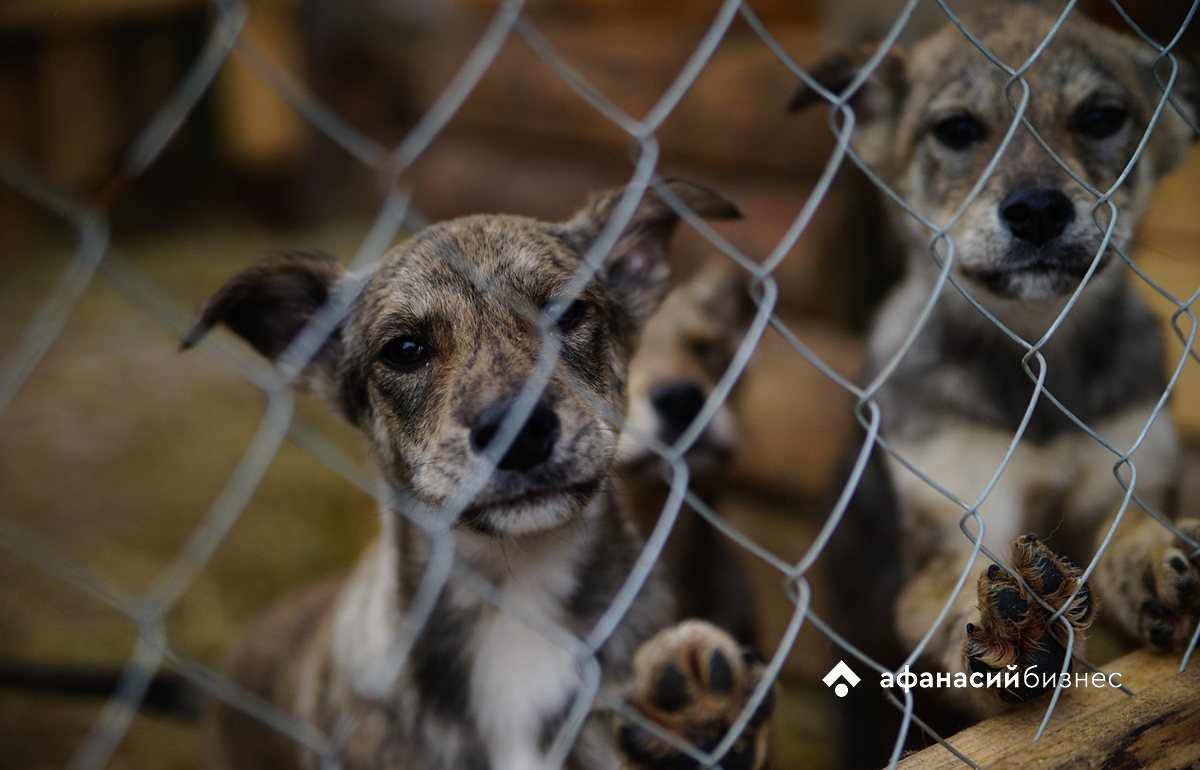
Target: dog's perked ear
875, 103
268, 304
636, 270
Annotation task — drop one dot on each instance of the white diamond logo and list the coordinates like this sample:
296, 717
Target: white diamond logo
841, 671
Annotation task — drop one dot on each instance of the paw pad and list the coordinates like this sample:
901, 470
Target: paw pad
1168, 613
694, 681
671, 689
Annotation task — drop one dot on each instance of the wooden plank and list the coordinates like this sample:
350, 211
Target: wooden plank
1168, 251
704, 10
1085, 718
734, 117
27, 15
1160, 727
16, 98
1168, 257
77, 121
262, 133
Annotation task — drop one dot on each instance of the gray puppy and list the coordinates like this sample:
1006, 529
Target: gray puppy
437, 345
929, 123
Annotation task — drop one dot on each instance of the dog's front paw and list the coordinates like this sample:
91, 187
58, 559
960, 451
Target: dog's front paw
1013, 634
694, 680
1168, 593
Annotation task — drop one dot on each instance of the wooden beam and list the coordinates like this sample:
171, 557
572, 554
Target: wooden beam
77, 110
261, 132
1159, 726
26, 15
1167, 251
16, 99
808, 11
734, 117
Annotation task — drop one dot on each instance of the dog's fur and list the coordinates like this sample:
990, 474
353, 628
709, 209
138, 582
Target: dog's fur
439, 340
955, 400
686, 347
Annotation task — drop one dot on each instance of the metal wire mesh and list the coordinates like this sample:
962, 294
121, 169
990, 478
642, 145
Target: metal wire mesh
148, 610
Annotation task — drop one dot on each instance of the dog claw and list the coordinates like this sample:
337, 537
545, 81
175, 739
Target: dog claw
1014, 633
694, 681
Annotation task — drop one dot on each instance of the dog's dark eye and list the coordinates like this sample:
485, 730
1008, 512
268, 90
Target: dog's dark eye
571, 316
405, 354
959, 132
1100, 122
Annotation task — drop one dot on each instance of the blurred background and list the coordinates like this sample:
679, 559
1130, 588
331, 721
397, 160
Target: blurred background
118, 444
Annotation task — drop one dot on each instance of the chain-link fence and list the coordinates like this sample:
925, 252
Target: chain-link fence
93, 258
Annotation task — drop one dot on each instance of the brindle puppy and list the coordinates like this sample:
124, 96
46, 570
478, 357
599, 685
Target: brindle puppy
439, 340
929, 123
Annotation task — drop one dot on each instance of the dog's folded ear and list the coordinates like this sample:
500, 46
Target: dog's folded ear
874, 103
1173, 136
636, 268
268, 303
881, 91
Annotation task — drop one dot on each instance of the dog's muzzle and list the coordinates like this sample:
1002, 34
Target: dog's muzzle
1040, 260
676, 404
1037, 215
533, 444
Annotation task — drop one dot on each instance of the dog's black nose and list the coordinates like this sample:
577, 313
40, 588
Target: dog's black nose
1037, 215
533, 444
677, 404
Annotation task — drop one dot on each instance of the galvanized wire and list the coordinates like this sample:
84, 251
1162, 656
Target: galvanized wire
510, 22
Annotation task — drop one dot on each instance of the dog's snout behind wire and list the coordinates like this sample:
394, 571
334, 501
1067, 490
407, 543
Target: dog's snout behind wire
533, 443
